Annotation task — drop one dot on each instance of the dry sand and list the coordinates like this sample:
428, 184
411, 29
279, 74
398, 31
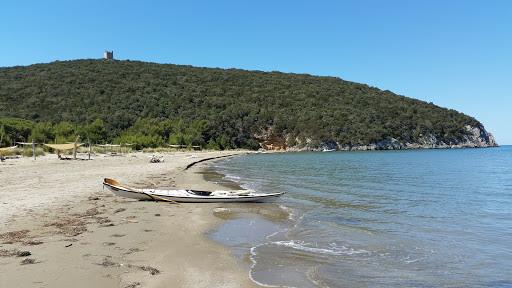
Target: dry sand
81, 236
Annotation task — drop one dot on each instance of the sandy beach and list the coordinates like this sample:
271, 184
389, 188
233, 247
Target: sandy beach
59, 228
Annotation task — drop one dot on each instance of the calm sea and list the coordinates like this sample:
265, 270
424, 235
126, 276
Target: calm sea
423, 218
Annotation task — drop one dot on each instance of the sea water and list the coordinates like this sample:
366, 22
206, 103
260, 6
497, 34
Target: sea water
417, 218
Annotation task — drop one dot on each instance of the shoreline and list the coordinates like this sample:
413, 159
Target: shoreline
246, 226
81, 236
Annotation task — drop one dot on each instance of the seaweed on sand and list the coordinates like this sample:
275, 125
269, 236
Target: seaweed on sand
107, 262
102, 220
133, 285
90, 212
14, 236
14, 252
32, 242
133, 250
119, 210
69, 226
151, 270
28, 261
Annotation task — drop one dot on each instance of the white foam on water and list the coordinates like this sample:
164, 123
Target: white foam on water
253, 254
299, 245
332, 250
291, 215
232, 177
254, 185
237, 179
409, 260
412, 261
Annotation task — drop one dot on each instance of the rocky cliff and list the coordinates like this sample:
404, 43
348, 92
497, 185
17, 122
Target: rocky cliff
475, 137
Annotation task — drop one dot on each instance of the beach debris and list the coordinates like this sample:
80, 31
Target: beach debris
69, 245
23, 253
14, 252
32, 242
132, 285
119, 210
221, 210
28, 261
107, 262
109, 243
224, 213
157, 214
156, 159
70, 227
147, 230
119, 201
151, 270
102, 220
107, 225
93, 198
14, 236
6, 253
91, 212
74, 231
117, 235
133, 250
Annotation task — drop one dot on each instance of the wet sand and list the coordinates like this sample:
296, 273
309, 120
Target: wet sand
79, 235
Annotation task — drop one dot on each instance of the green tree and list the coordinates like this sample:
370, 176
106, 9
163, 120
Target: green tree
94, 132
42, 133
3, 135
64, 132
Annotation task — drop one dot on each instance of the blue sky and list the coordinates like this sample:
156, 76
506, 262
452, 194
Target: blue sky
457, 54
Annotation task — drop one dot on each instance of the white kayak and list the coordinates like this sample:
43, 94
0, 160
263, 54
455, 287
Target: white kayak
185, 195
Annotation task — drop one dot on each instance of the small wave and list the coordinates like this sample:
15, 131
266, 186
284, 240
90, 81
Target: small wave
238, 180
254, 253
412, 261
299, 245
409, 260
332, 250
291, 215
232, 177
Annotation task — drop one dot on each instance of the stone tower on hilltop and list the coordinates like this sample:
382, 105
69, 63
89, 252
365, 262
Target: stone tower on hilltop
108, 55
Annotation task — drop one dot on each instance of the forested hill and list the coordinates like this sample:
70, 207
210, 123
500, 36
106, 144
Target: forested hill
153, 104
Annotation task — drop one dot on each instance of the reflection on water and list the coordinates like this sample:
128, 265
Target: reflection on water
429, 218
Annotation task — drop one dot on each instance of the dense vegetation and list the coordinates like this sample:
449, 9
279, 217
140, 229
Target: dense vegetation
152, 104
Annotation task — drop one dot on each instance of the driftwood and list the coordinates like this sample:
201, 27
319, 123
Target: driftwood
64, 157
12, 157
156, 159
69, 158
207, 159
